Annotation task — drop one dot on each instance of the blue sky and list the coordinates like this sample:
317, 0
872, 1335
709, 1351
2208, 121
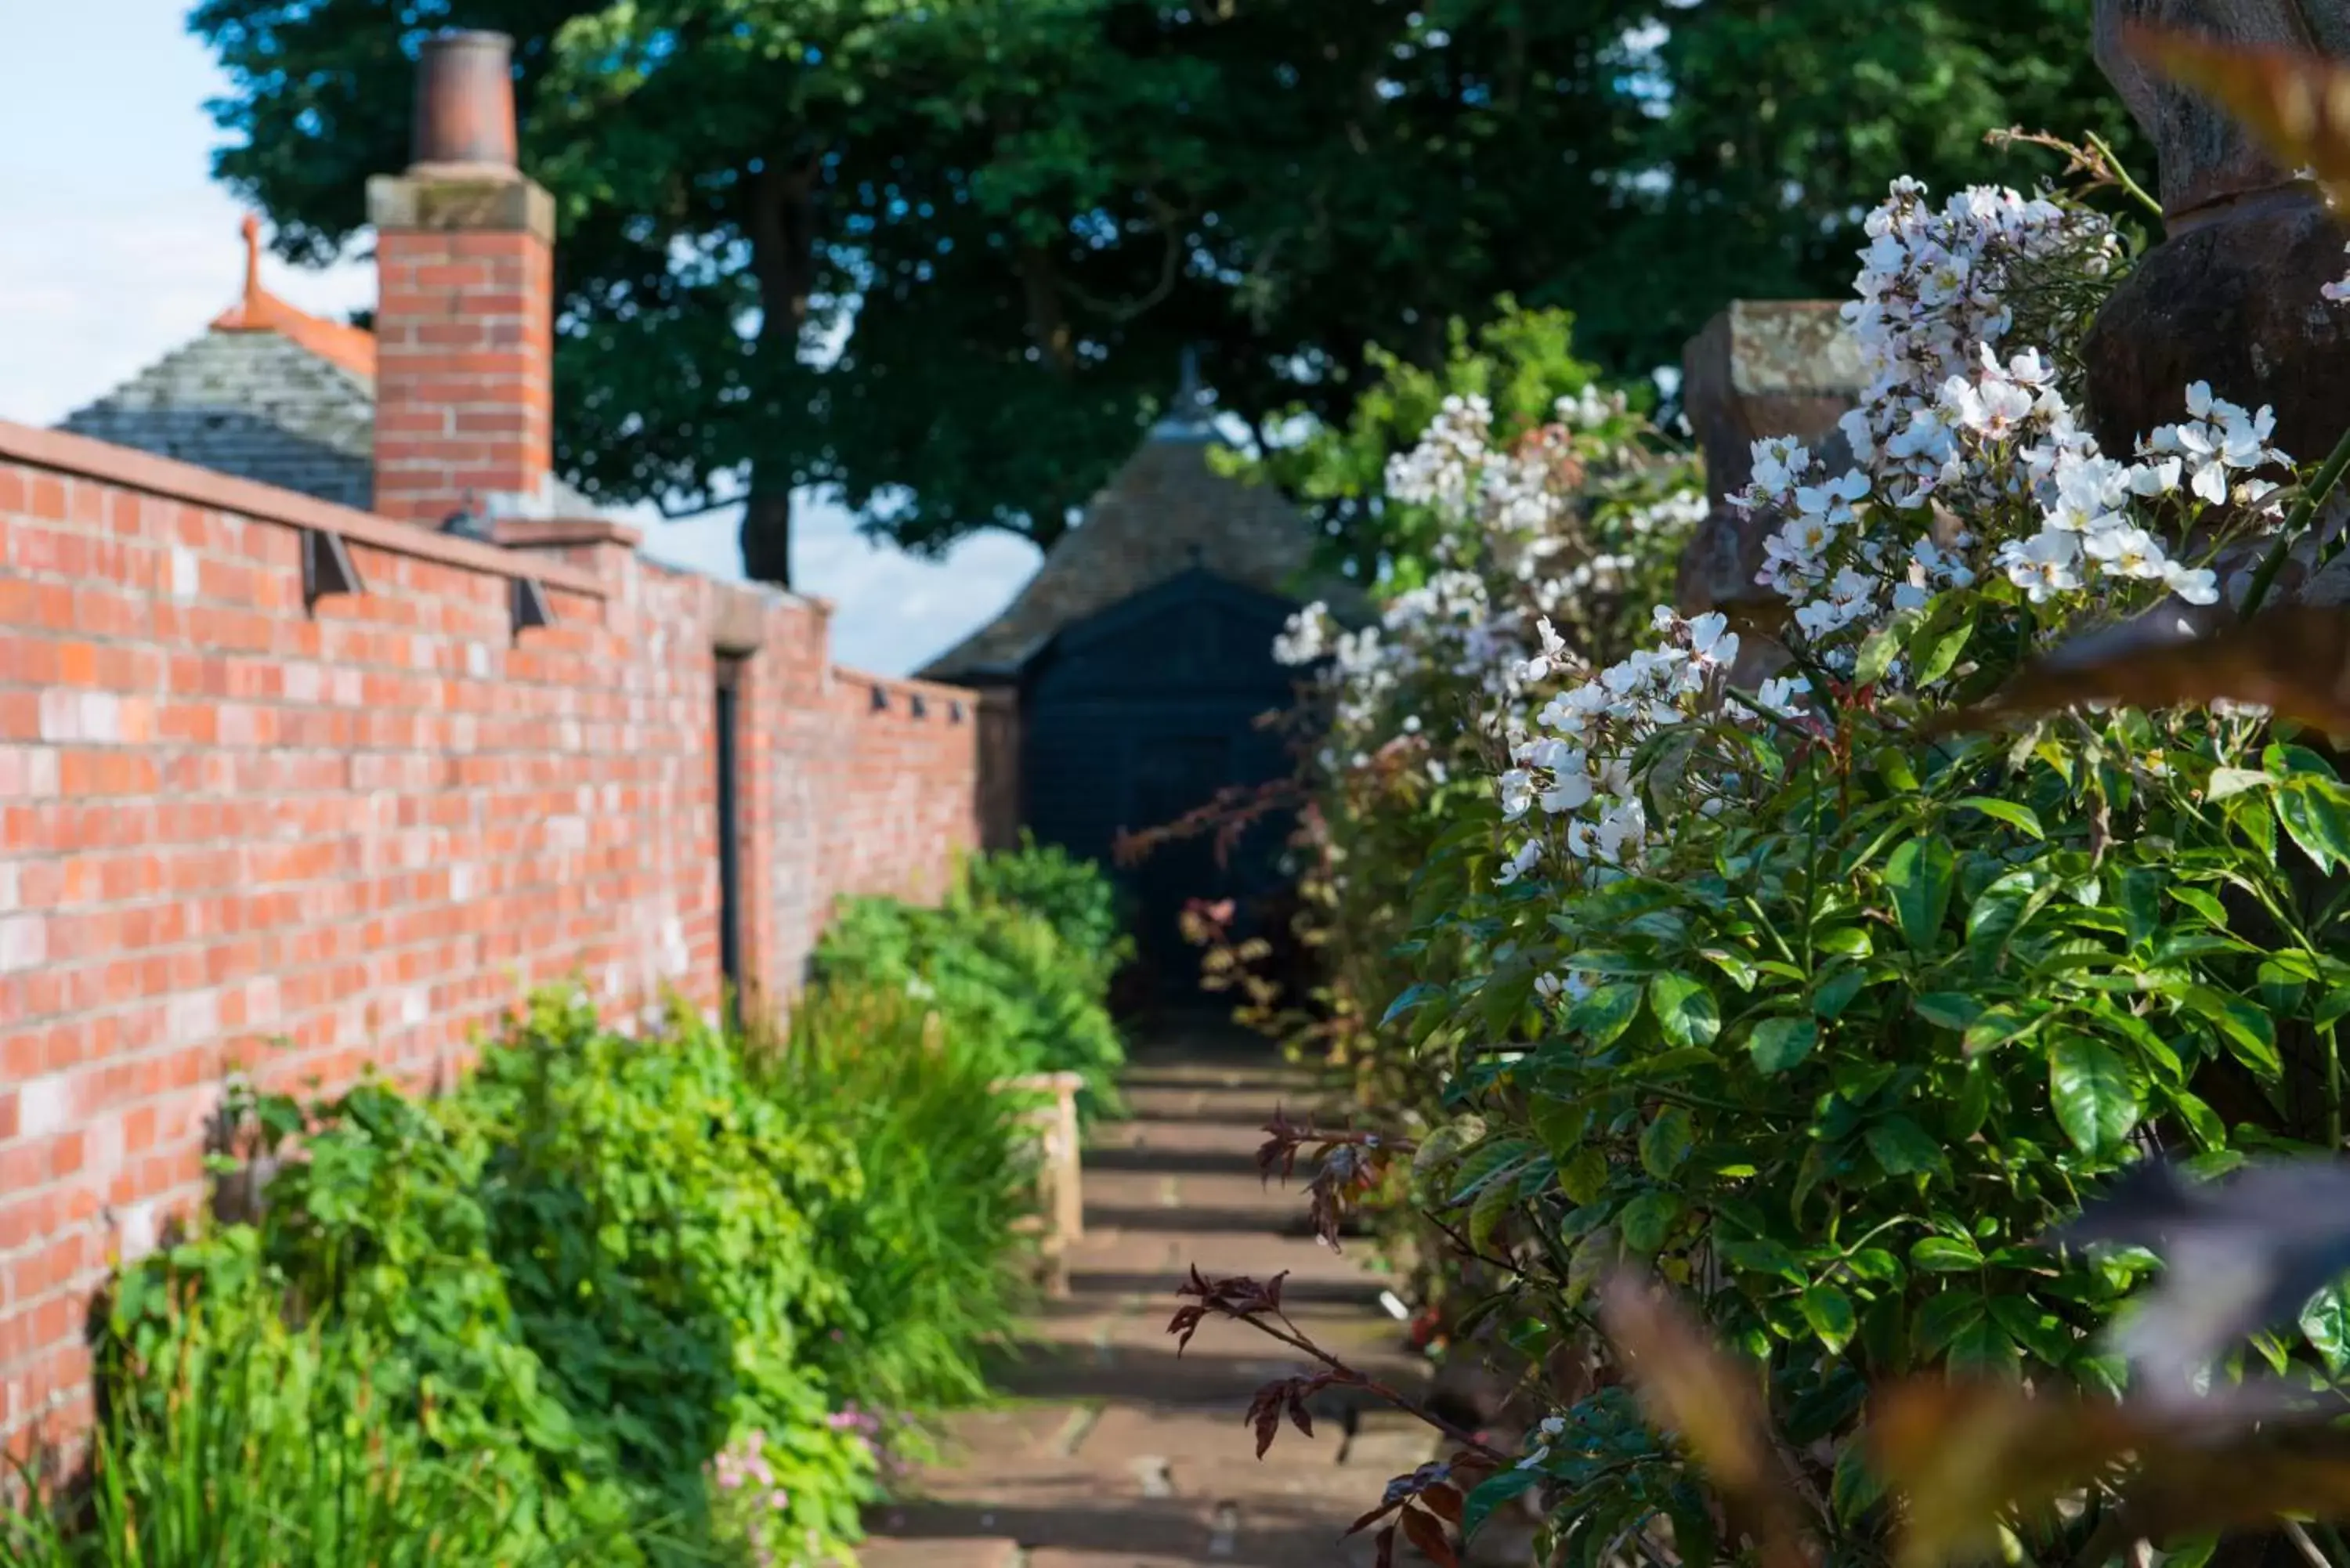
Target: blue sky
117, 248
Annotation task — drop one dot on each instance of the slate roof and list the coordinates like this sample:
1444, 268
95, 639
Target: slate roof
1165, 513
254, 404
270, 393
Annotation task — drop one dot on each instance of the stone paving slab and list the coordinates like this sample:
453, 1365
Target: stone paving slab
1120, 1454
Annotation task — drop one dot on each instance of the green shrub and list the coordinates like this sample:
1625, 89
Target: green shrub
1007, 983
237, 1438
642, 1301
374, 1226
1072, 896
923, 1252
657, 1218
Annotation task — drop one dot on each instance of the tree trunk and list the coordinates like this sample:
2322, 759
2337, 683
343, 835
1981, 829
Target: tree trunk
782, 226
766, 531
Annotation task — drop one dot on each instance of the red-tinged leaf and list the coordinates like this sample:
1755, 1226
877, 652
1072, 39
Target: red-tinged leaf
1373, 1518
1299, 1415
1185, 1323
1445, 1502
1386, 1559
1427, 1533
2295, 659
1265, 1415
2296, 103
1281, 1147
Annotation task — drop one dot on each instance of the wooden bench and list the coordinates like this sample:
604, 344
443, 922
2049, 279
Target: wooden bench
1060, 1217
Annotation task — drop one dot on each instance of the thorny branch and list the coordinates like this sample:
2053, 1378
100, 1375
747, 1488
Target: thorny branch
1422, 1502
1347, 1165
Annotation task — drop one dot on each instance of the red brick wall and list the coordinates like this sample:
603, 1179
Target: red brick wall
364, 831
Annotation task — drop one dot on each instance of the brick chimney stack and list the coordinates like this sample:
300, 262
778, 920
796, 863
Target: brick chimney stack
465, 319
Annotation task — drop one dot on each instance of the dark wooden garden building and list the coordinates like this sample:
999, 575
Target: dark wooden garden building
1142, 656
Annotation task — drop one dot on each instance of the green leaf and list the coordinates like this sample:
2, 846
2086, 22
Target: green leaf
1946, 1255
2250, 1033
2201, 1119
1877, 652
1893, 768
1836, 993
2141, 901
1760, 1255
1560, 1123
1950, 1010
1902, 1146
2314, 823
2095, 1098
1602, 1017
1668, 1064
1934, 651
1921, 874
1419, 995
2325, 1324
2022, 818
1982, 1346
1648, 1218
1857, 1487
2001, 1025
1851, 941
1507, 993
2282, 988
1685, 1009
1779, 1044
2203, 904
1585, 1176
2034, 1328
1742, 971
2226, 781
1493, 1206
1490, 1494
1944, 1317
1829, 1312
1666, 1142
1972, 1108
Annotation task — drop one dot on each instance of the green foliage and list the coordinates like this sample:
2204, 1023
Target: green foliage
1008, 986
1522, 361
655, 1216
948, 1170
1071, 895
1847, 1054
1023, 213
374, 1224
239, 1439
565, 1303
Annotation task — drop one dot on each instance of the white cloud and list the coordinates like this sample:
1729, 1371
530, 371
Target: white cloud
117, 249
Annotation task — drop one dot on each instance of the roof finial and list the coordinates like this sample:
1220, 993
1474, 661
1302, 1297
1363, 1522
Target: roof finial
251, 229
1191, 416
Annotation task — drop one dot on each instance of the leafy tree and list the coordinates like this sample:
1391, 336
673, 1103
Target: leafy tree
1010, 216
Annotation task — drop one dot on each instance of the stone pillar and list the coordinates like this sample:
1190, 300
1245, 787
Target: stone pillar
465, 308
2230, 294
1761, 368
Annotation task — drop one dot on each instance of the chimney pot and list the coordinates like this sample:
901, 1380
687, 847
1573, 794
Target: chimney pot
464, 101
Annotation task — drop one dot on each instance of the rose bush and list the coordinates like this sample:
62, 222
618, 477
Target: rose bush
1802, 991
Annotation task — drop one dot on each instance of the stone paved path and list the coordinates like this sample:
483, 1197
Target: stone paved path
1113, 1453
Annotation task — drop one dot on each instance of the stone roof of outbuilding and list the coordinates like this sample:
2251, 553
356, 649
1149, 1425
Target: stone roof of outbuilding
1166, 512
255, 404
